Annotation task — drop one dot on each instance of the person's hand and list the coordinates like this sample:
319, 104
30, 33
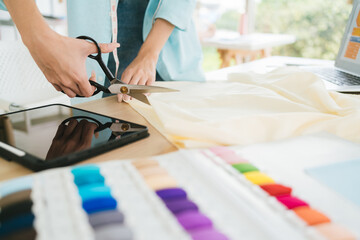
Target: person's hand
62, 60
141, 71
73, 137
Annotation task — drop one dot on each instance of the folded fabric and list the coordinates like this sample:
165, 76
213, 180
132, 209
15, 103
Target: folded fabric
251, 108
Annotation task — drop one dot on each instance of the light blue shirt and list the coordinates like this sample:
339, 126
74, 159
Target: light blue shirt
180, 58
2, 5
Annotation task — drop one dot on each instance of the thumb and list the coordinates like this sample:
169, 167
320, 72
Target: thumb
104, 47
108, 47
90, 47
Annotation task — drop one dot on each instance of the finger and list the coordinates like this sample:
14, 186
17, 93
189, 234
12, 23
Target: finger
68, 92
86, 89
70, 83
144, 81
126, 98
57, 87
150, 81
91, 48
84, 85
93, 78
135, 79
70, 128
120, 97
67, 86
60, 132
93, 127
108, 47
126, 76
81, 79
88, 133
76, 134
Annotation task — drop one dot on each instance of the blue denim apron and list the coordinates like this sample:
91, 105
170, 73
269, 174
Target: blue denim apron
130, 14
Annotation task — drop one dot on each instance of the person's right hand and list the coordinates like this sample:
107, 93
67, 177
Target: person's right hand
62, 60
72, 137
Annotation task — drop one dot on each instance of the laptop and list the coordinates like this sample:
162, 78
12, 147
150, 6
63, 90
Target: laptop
345, 75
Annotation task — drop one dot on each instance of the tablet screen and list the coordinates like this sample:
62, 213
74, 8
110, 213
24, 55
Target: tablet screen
56, 130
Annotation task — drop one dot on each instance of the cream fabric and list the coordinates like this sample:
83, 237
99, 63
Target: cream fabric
251, 108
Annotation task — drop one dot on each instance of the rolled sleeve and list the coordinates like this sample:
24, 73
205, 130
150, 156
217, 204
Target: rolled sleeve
177, 12
2, 5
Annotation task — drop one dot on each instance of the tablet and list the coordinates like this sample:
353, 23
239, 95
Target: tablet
59, 135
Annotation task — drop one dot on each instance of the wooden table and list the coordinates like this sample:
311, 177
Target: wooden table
155, 144
245, 48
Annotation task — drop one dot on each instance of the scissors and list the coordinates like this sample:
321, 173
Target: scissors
118, 129
117, 86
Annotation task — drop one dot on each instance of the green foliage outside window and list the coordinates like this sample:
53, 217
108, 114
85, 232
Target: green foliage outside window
317, 24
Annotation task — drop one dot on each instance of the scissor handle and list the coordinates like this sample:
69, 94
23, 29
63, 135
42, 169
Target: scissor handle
99, 88
82, 117
98, 58
100, 127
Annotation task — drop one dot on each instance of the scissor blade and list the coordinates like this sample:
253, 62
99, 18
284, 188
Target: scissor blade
141, 97
119, 88
116, 81
151, 89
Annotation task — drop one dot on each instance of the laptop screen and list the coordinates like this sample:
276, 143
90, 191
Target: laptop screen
351, 50
349, 54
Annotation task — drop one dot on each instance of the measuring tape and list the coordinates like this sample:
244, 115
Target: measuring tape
114, 27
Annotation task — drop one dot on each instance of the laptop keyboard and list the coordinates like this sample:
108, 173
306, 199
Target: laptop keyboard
337, 77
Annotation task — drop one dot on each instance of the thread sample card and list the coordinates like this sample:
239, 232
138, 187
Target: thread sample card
105, 216
200, 194
315, 220
340, 177
186, 212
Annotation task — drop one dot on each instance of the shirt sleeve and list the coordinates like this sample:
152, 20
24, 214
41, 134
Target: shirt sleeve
177, 12
2, 5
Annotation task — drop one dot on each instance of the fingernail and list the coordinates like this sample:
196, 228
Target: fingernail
126, 98
119, 98
117, 45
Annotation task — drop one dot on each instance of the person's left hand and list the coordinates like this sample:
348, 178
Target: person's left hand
141, 71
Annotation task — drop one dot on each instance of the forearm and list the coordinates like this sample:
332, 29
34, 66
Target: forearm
157, 37
28, 20
60, 58
142, 70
